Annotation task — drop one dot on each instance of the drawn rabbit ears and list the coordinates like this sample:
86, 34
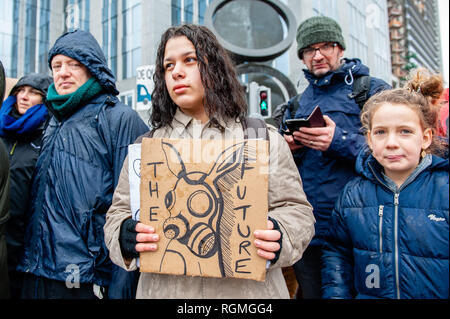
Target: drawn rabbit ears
226, 162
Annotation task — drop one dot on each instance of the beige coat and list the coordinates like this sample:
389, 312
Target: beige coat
287, 205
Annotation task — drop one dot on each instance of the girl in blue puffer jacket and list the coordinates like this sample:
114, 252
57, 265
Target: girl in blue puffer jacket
389, 233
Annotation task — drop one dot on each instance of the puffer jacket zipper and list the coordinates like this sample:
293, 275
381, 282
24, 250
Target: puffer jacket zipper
380, 226
396, 195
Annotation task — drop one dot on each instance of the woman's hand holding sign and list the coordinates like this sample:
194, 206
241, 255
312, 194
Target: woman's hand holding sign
135, 238
146, 238
267, 241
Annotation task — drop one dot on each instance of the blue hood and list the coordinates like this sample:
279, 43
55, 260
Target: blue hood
349, 69
83, 47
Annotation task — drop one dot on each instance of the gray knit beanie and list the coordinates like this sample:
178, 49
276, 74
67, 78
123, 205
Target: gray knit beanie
316, 30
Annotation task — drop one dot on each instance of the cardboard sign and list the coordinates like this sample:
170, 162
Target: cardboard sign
205, 198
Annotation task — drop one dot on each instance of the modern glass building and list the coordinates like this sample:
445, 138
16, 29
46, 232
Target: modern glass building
129, 32
415, 36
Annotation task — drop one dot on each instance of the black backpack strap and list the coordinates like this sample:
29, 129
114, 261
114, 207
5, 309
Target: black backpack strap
361, 89
295, 104
253, 128
279, 113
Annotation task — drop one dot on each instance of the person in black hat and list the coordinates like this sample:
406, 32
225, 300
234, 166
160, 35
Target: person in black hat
23, 117
325, 156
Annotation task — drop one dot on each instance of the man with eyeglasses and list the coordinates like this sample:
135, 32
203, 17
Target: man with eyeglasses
325, 156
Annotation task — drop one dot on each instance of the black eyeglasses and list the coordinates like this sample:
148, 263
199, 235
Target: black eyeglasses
325, 50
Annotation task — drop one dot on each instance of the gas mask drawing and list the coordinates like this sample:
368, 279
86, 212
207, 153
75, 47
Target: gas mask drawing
201, 212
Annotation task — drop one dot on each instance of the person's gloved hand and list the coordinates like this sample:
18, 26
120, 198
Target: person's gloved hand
136, 237
127, 239
276, 227
268, 242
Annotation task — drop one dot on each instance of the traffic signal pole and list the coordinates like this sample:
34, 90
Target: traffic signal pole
260, 105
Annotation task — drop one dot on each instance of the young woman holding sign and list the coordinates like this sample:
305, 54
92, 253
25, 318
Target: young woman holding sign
197, 95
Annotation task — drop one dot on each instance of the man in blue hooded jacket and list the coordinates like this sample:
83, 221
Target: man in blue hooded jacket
325, 156
82, 153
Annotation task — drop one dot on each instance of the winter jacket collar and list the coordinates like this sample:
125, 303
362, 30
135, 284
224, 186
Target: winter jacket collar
368, 166
182, 118
424, 163
348, 70
65, 105
185, 122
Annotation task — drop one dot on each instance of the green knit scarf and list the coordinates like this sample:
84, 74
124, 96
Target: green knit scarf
66, 105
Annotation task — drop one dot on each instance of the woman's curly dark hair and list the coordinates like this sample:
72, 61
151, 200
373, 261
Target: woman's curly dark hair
224, 95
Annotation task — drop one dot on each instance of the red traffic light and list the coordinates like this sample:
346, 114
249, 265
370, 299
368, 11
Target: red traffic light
263, 94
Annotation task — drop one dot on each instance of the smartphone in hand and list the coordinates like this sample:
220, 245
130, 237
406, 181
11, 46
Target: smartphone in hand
315, 119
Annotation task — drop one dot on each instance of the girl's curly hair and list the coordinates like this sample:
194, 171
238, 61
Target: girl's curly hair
224, 95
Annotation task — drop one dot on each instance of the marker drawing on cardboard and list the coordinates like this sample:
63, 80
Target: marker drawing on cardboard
134, 177
205, 210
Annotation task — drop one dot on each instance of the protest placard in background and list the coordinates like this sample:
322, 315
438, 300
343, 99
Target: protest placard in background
144, 87
205, 199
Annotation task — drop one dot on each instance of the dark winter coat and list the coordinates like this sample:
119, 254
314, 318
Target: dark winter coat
23, 154
23, 150
76, 174
324, 174
390, 242
4, 215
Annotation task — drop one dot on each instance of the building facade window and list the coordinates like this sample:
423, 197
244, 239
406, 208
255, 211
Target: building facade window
127, 98
380, 34
326, 8
44, 33
30, 36
189, 11
77, 15
9, 36
176, 12
15, 41
357, 44
109, 25
282, 62
202, 6
131, 41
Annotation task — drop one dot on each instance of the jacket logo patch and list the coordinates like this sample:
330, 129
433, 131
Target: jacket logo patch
436, 219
